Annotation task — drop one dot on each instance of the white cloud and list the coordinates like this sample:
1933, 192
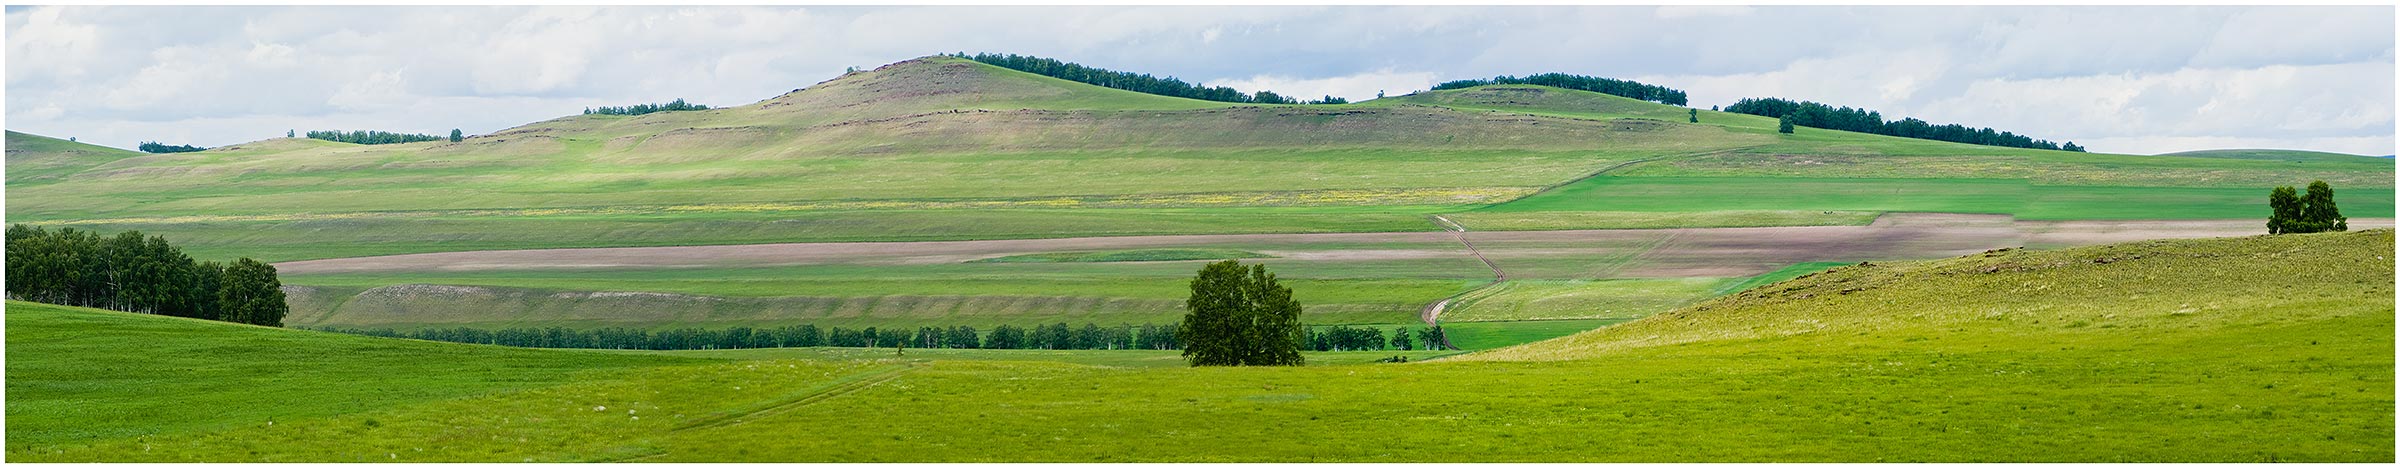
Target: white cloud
2140, 77
1357, 87
2156, 110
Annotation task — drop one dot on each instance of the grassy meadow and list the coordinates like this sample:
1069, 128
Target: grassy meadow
2238, 349
948, 149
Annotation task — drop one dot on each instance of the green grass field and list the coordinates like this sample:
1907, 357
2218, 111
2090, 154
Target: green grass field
2024, 199
2242, 349
1144, 255
947, 149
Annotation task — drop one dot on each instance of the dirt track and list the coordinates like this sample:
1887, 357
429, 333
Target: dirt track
1717, 252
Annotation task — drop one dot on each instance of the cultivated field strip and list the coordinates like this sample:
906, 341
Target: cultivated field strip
1720, 252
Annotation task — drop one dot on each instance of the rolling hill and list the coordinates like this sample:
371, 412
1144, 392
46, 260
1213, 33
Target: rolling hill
941, 148
945, 149
2264, 348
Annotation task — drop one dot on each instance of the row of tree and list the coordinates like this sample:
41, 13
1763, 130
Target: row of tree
1816, 115
639, 109
374, 137
1052, 336
156, 147
1136, 82
131, 273
1346, 338
2293, 213
1609, 86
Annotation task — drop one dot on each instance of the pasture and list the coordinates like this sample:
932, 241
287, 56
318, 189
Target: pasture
2200, 350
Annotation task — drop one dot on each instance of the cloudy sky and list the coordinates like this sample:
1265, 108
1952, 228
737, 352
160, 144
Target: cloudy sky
2131, 79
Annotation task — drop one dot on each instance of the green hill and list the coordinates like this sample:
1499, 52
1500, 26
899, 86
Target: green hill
941, 148
2270, 348
2271, 154
35, 159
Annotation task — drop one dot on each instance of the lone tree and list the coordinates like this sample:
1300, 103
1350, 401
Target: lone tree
456, 136
1240, 317
2300, 214
2284, 203
1695, 115
1784, 124
251, 294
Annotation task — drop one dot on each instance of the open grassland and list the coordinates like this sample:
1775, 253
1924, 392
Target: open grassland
2246, 349
1134, 358
2021, 198
1482, 336
278, 240
77, 375
1149, 255
948, 149
1580, 299
1343, 278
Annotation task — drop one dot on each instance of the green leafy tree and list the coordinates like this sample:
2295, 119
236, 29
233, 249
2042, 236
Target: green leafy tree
2319, 211
457, 136
1695, 115
1784, 124
1817, 115
1241, 317
251, 294
1609, 86
2283, 203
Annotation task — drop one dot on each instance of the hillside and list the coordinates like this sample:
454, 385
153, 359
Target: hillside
2237, 349
35, 159
941, 148
2271, 154
2088, 294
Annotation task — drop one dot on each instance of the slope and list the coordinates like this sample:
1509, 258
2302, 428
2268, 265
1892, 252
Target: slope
79, 375
933, 148
2125, 294
2240, 349
35, 159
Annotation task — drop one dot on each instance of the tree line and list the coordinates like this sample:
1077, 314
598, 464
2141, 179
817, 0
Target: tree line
131, 273
370, 137
639, 109
1812, 114
2293, 213
156, 147
1347, 338
1136, 82
1609, 86
1051, 336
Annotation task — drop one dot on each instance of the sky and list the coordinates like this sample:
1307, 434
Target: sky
2140, 80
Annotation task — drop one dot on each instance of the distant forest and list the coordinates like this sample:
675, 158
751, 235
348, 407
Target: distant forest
370, 137
639, 109
1609, 86
156, 147
1811, 114
1136, 82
